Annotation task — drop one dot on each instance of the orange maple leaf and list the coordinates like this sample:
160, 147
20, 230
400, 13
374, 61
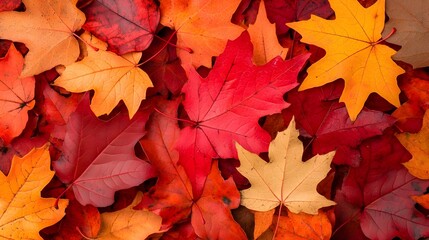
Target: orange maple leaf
16, 95
23, 213
353, 53
112, 77
46, 27
202, 25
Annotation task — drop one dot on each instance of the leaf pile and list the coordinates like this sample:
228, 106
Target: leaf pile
204, 119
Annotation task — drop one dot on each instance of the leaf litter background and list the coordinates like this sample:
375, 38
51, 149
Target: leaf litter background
199, 120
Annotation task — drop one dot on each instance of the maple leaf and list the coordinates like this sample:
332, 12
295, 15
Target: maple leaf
204, 26
282, 12
285, 179
411, 22
374, 199
23, 213
320, 117
172, 196
225, 107
264, 39
128, 223
418, 146
98, 157
46, 28
126, 27
353, 53
9, 5
16, 95
304, 226
112, 77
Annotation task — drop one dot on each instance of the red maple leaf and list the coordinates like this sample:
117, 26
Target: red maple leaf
98, 156
225, 107
375, 198
127, 26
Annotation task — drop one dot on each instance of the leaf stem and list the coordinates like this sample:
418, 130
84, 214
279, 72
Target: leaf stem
387, 37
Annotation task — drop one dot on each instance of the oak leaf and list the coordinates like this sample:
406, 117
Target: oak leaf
204, 26
411, 20
418, 146
264, 38
285, 179
129, 224
23, 213
16, 95
225, 107
127, 26
353, 53
98, 156
46, 27
112, 77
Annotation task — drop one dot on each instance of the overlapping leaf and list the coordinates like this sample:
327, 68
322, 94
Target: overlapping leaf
23, 212
46, 27
16, 95
127, 26
285, 179
353, 53
98, 157
225, 107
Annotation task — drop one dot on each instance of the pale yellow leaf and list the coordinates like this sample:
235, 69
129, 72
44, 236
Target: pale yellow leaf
285, 179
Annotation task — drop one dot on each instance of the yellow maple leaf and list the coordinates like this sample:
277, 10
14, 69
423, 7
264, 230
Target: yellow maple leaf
46, 27
112, 77
204, 26
285, 179
264, 39
353, 53
23, 213
418, 145
129, 224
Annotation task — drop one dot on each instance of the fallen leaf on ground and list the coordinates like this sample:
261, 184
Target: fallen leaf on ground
112, 77
46, 27
16, 95
127, 26
264, 39
285, 179
98, 156
204, 26
23, 212
417, 144
129, 224
225, 107
353, 53
411, 20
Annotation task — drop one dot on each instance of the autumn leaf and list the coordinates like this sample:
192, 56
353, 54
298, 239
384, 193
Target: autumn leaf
320, 117
225, 107
16, 95
129, 224
23, 212
202, 26
172, 196
46, 27
411, 22
304, 226
98, 156
353, 53
418, 146
375, 198
264, 39
282, 12
127, 27
285, 179
112, 77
